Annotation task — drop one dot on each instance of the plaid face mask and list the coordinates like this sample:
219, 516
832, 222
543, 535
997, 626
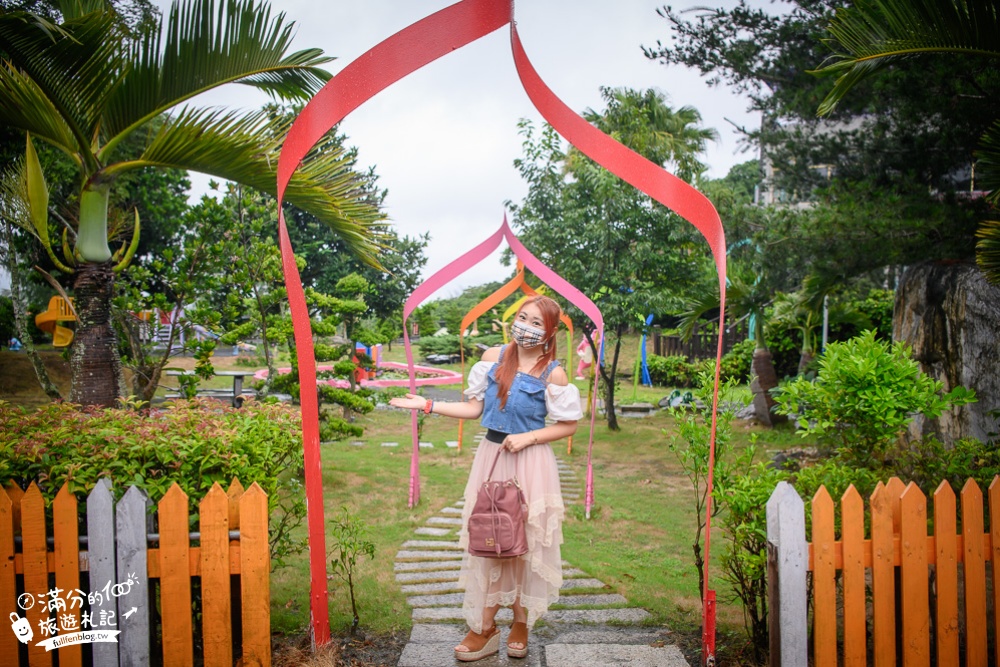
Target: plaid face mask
526, 336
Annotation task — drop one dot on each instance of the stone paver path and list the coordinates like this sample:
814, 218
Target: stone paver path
590, 625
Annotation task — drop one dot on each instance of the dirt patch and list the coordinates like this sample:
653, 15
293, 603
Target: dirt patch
18, 383
360, 651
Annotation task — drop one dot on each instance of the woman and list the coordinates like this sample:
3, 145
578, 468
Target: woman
514, 388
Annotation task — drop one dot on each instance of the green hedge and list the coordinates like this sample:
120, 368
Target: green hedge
193, 443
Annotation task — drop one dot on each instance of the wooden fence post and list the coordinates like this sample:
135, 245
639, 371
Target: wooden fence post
130, 522
101, 558
946, 617
175, 578
994, 495
787, 562
915, 603
66, 553
852, 522
255, 577
8, 579
216, 610
36, 570
974, 568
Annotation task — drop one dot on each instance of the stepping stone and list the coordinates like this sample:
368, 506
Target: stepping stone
430, 544
425, 577
443, 653
460, 503
451, 444
445, 521
446, 600
451, 510
390, 444
616, 635
433, 532
573, 572
629, 615
582, 583
426, 445
574, 655
590, 600
358, 443
413, 566
418, 555
436, 587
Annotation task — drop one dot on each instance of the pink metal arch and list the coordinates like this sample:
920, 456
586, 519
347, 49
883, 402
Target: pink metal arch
389, 61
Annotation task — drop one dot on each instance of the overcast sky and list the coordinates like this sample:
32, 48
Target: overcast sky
444, 139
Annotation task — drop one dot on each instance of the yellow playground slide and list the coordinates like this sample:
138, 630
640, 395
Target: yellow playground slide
48, 321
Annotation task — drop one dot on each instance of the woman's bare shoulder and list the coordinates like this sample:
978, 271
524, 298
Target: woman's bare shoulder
491, 354
558, 376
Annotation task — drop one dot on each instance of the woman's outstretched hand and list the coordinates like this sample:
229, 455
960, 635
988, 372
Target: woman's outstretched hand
409, 402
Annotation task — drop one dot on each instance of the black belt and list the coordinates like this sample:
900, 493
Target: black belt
496, 436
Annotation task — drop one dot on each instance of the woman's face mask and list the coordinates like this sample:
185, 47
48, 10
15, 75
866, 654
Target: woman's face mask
526, 335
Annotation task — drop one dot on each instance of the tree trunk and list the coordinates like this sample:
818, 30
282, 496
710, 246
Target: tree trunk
95, 363
950, 315
805, 358
764, 380
21, 317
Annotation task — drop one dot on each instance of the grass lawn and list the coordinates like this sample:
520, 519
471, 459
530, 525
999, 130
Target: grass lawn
638, 539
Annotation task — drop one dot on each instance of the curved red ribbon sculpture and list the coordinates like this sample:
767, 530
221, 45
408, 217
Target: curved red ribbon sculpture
391, 60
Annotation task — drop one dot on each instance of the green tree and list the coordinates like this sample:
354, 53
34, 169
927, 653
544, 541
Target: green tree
874, 35
576, 211
88, 84
885, 155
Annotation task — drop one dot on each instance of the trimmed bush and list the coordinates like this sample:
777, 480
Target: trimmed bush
193, 443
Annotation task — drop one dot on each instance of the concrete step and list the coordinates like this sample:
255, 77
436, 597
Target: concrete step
434, 532
445, 521
431, 576
428, 555
631, 615
410, 566
430, 544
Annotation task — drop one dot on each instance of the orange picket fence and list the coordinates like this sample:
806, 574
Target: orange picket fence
138, 588
901, 595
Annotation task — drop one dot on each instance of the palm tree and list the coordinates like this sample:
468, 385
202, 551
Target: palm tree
747, 295
803, 310
875, 34
644, 122
87, 84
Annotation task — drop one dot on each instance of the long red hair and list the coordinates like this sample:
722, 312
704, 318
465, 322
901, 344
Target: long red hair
508, 366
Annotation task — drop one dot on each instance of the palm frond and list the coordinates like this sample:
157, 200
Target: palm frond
23, 105
76, 70
244, 148
199, 48
876, 33
988, 162
988, 250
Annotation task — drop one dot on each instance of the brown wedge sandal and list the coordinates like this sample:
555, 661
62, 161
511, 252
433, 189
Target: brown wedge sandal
518, 635
480, 645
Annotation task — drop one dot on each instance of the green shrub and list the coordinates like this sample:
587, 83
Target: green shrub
193, 443
672, 371
735, 363
864, 397
927, 462
448, 344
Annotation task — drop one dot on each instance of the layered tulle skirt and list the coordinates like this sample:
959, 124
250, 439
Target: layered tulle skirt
535, 577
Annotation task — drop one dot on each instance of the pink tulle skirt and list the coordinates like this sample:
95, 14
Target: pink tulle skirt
535, 577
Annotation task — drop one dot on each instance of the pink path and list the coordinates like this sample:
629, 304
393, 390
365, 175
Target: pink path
437, 376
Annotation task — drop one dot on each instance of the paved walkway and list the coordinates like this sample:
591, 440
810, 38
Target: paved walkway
588, 626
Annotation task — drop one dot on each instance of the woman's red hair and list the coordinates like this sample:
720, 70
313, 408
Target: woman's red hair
508, 366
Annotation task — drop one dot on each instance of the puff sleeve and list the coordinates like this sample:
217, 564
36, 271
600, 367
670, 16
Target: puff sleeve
563, 402
477, 380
